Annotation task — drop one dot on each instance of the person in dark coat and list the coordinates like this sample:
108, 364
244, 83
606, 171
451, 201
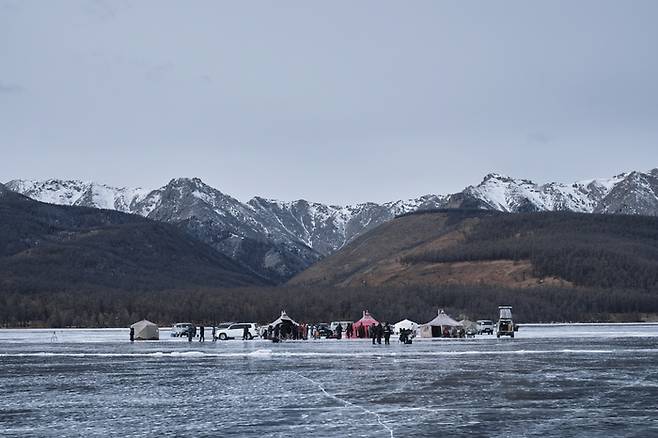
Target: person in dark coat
245, 333
349, 331
339, 331
373, 333
361, 332
132, 334
190, 334
277, 332
380, 333
387, 333
214, 333
202, 334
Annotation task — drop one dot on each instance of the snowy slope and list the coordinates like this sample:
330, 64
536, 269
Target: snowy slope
632, 193
85, 194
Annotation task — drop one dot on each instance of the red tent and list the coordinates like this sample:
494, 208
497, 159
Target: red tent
366, 322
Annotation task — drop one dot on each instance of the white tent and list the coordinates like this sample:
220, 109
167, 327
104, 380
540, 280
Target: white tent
468, 325
434, 328
284, 317
405, 324
146, 331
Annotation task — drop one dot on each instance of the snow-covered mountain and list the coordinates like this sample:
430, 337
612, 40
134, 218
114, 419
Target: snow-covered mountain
278, 239
626, 193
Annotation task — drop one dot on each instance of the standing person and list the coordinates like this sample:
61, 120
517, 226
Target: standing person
349, 331
132, 334
380, 332
387, 333
190, 334
202, 334
277, 331
214, 333
361, 332
373, 333
245, 333
339, 331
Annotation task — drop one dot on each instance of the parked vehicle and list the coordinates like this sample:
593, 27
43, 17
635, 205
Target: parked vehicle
505, 325
236, 331
343, 324
324, 331
485, 326
181, 329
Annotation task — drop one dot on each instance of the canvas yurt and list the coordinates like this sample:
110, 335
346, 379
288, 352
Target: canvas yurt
405, 324
362, 327
286, 324
146, 331
468, 325
436, 327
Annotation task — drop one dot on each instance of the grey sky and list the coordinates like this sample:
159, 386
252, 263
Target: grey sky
336, 101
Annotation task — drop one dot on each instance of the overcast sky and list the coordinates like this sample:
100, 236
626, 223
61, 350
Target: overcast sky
337, 101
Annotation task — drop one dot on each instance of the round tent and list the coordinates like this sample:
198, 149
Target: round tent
436, 327
405, 324
362, 327
286, 325
146, 331
468, 325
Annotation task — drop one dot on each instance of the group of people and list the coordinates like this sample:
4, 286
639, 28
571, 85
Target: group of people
289, 331
378, 331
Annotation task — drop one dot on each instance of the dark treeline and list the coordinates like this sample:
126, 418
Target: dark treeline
611, 251
106, 308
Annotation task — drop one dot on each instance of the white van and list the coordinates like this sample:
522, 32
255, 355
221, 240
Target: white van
343, 324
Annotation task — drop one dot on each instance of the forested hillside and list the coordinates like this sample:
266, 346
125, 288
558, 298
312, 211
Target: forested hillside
63, 266
50, 248
511, 250
588, 250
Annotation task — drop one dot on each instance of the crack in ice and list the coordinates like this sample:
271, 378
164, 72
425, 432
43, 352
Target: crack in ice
346, 402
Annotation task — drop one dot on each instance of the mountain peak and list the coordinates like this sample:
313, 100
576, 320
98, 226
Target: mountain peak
496, 176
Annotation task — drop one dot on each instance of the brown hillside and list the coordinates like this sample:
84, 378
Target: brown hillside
376, 258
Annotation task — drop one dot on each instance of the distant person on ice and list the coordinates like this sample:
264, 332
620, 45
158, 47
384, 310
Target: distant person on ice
339, 331
190, 334
380, 332
214, 333
387, 333
373, 333
349, 331
202, 335
245, 333
132, 334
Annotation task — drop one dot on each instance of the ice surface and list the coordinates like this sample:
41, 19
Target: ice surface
557, 380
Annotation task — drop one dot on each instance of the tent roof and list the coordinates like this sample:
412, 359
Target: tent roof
406, 322
442, 319
366, 319
467, 323
284, 317
139, 325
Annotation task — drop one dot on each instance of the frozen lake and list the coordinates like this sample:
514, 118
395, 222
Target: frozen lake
570, 380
